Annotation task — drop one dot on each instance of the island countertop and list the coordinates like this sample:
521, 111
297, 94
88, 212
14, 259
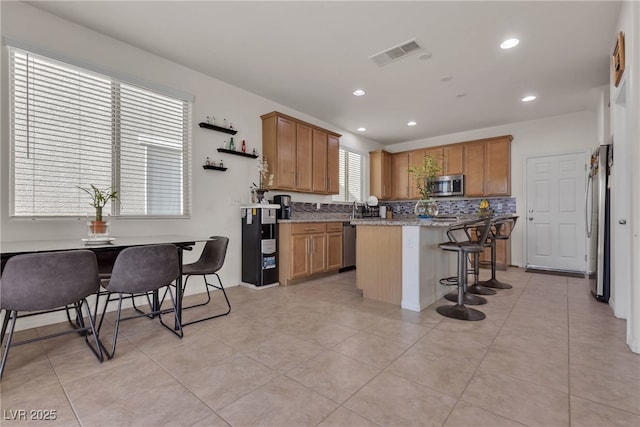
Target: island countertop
399, 221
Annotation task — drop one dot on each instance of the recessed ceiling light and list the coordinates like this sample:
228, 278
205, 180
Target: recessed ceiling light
411, 123
509, 43
528, 98
358, 92
425, 56
446, 79
361, 129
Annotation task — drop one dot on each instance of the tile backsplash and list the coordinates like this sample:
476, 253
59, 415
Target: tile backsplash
502, 205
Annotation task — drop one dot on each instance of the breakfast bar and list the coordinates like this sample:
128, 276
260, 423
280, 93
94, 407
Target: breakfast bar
398, 260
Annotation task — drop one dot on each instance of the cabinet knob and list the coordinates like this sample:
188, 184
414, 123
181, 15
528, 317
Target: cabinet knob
530, 218
622, 222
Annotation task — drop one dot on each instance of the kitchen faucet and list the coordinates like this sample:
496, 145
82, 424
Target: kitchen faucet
354, 209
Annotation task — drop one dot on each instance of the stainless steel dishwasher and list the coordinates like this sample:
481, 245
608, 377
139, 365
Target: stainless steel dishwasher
348, 246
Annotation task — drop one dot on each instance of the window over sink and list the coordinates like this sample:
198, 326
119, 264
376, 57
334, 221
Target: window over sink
350, 176
72, 127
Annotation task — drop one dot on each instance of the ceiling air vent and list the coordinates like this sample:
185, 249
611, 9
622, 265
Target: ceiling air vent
387, 56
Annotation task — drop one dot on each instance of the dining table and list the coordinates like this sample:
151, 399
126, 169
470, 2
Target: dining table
106, 248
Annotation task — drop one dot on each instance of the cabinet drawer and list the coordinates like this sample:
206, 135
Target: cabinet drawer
334, 227
308, 228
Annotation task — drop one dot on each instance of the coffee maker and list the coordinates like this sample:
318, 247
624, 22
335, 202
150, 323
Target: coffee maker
284, 201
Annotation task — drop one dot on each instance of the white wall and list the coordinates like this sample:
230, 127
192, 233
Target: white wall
625, 128
570, 133
213, 192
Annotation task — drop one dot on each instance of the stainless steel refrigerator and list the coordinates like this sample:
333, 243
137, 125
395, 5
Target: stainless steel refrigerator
598, 221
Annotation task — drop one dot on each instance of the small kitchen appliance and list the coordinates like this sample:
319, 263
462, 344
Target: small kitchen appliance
284, 201
259, 246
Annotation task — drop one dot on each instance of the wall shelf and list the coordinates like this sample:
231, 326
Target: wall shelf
218, 128
217, 168
238, 153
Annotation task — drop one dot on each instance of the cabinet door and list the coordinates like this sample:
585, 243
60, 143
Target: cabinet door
319, 161
400, 176
318, 247
285, 168
474, 169
386, 175
299, 256
333, 167
453, 159
497, 171
303, 157
380, 174
334, 251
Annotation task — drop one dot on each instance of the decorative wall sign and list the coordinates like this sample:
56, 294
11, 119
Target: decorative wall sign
617, 59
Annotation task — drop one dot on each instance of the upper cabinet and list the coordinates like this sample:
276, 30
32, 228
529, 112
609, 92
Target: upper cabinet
487, 167
380, 174
400, 176
453, 159
301, 157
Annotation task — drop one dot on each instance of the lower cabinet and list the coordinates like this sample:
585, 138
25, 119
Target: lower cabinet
307, 249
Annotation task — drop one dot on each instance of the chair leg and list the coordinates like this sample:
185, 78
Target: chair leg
179, 332
477, 288
221, 287
493, 282
14, 316
460, 311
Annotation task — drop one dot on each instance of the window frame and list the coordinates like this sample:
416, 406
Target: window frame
363, 172
115, 160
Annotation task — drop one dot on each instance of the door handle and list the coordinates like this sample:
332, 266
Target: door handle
622, 222
530, 218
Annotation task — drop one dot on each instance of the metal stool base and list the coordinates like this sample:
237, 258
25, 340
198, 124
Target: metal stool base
480, 290
460, 312
466, 298
495, 284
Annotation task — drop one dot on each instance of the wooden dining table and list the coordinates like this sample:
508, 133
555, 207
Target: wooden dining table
104, 247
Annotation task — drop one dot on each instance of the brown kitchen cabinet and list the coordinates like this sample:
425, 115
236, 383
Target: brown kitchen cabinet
380, 174
301, 156
307, 249
415, 159
487, 167
453, 159
400, 176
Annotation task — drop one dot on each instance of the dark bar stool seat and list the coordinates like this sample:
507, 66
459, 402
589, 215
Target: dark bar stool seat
501, 229
480, 230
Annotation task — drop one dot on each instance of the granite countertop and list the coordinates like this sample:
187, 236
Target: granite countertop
397, 221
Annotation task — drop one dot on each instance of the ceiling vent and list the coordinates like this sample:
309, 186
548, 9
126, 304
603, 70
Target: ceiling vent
400, 51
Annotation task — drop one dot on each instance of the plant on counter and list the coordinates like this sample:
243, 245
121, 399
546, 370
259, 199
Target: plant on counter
99, 199
424, 175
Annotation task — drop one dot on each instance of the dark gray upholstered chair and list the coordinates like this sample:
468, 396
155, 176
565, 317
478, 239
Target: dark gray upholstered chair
50, 281
142, 270
476, 232
210, 262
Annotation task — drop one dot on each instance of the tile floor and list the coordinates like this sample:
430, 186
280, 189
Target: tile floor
319, 354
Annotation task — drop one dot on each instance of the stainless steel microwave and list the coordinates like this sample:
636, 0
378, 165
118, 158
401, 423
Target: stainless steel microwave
448, 185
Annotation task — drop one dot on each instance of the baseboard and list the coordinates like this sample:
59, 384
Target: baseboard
575, 274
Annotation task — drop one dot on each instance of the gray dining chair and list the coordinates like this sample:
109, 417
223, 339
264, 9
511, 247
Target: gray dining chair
210, 262
142, 271
46, 282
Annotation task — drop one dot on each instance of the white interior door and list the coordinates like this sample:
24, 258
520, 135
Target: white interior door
555, 221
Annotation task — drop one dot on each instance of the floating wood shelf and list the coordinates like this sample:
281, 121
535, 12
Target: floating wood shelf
238, 153
218, 128
217, 168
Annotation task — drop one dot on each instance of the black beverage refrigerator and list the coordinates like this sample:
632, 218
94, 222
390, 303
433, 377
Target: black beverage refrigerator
259, 246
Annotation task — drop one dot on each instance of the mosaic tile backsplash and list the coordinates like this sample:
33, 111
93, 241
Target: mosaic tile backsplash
504, 205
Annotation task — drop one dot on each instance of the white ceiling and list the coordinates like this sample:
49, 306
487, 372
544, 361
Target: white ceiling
310, 56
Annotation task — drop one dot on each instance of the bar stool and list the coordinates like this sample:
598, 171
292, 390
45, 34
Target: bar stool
501, 229
481, 228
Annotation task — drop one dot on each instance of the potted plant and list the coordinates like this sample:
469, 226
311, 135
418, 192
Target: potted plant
424, 175
99, 198
263, 169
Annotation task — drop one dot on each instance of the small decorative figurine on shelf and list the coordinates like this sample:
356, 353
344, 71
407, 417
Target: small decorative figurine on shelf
244, 146
207, 161
230, 125
232, 145
209, 120
224, 123
221, 163
254, 152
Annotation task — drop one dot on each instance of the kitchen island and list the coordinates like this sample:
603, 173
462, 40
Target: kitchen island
398, 261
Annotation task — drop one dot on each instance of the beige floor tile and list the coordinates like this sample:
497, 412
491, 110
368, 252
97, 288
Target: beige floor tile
323, 333
614, 362
440, 373
371, 349
333, 375
31, 376
465, 415
283, 352
405, 332
621, 391
394, 401
137, 393
467, 347
585, 413
345, 418
281, 402
21, 407
519, 400
213, 420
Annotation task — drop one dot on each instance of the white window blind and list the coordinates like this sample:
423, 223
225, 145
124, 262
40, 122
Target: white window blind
72, 127
350, 169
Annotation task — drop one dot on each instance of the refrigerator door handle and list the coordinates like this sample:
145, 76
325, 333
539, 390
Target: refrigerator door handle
589, 218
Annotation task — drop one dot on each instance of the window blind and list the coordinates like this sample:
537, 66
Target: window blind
350, 169
71, 127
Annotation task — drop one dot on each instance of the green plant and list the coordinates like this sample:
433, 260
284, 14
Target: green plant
424, 175
99, 198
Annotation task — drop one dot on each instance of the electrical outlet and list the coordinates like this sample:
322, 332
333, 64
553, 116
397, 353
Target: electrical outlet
318, 206
234, 202
499, 207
